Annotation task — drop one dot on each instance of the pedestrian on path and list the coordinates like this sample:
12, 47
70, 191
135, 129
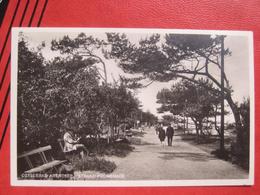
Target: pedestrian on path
157, 129
161, 134
169, 134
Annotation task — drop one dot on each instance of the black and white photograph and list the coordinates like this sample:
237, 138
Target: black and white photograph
131, 107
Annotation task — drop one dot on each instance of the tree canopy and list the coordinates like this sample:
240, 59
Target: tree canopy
190, 100
66, 93
172, 56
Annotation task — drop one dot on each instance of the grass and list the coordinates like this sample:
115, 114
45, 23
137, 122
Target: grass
95, 164
209, 144
120, 149
95, 161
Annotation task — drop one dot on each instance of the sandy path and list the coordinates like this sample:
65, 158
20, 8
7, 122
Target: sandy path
151, 160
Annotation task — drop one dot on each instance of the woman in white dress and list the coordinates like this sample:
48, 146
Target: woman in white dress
72, 144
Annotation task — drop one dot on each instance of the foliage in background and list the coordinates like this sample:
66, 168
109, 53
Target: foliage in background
187, 56
30, 109
188, 99
67, 92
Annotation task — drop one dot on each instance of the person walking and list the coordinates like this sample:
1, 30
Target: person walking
161, 134
169, 134
157, 129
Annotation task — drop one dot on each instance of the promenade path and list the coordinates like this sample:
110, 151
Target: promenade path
150, 160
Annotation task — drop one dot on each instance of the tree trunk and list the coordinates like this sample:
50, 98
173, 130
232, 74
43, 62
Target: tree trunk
215, 120
236, 114
197, 129
197, 133
222, 116
184, 123
200, 127
187, 124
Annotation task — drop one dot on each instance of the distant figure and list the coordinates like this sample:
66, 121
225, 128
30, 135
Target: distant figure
169, 134
157, 129
142, 128
72, 145
161, 134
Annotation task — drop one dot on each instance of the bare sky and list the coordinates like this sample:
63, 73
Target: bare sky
236, 65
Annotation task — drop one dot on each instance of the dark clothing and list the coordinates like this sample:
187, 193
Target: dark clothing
161, 134
169, 139
157, 130
169, 131
169, 134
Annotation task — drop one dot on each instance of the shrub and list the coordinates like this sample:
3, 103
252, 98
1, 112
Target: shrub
240, 151
120, 149
95, 164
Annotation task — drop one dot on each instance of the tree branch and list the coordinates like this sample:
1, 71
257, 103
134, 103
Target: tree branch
148, 84
198, 83
89, 54
212, 61
202, 74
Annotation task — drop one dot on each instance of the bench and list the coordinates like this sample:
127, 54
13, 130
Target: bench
45, 165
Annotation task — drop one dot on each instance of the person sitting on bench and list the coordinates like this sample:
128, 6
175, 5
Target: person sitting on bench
72, 144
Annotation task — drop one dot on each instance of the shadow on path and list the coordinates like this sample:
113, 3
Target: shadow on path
186, 155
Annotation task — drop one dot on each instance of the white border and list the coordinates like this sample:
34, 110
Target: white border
129, 183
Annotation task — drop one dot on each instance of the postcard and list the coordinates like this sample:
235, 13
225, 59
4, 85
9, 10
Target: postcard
131, 107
